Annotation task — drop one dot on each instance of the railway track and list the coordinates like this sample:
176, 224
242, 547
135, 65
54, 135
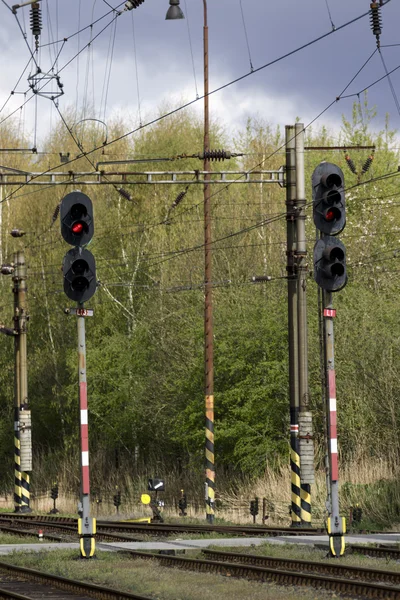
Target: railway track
105, 528
295, 575
320, 568
27, 584
376, 551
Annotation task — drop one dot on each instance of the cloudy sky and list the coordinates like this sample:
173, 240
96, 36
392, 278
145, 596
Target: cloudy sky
301, 85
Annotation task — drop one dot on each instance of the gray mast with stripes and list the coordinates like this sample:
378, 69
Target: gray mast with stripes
295, 510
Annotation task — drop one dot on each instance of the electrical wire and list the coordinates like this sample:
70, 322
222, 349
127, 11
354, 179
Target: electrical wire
225, 85
395, 98
109, 71
136, 70
330, 16
191, 49
246, 36
212, 92
68, 37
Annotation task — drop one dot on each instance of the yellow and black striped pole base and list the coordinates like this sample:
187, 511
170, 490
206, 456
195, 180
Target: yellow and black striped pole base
336, 530
210, 460
305, 493
17, 475
87, 543
295, 511
25, 493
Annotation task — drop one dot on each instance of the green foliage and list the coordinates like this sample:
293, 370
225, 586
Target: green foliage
145, 346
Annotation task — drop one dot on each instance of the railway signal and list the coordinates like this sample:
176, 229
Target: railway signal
329, 210
330, 264
329, 213
79, 270
76, 215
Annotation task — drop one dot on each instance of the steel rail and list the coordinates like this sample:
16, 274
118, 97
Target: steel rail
64, 583
365, 589
375, 551
327, 568
166, 528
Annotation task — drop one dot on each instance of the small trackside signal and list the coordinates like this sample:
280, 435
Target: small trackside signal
329, 210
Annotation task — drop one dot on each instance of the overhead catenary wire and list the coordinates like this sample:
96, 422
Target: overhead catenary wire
346, 88
246, 36
228, 84
191, 49
330, 16
136, 70
395, 98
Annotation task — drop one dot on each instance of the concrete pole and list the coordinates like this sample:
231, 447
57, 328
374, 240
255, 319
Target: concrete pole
305, 417
208, 308
295, 511
17, 394
24, 412
336, 524
86, 525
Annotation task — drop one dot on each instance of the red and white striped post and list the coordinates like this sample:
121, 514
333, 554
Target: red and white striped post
336, 524
86, 524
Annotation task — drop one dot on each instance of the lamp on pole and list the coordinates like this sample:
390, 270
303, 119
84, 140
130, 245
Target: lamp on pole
174, 12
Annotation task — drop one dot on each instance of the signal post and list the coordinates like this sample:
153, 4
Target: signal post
329, 212
79, 270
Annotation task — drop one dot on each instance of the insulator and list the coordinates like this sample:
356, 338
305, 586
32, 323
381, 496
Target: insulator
367, 163
376, 21
179, 198
7, 269
36, 19
133, 4
56, 213
215, 155
350, 164
16, 233
124, 194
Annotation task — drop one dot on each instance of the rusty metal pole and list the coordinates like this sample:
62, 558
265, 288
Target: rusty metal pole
208, 308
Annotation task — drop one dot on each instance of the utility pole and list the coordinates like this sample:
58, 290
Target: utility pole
86, 524
79, 270
295, 510
330, 273
17, 395
336, 523
208, 307
305, 417
22, 418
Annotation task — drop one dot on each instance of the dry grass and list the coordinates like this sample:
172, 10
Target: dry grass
370, 483
160, 583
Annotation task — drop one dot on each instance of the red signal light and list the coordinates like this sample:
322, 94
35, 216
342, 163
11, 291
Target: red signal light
77, 227
330, 215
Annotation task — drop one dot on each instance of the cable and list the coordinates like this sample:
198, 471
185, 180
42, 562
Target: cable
26, 41
330, 16
191, 48
136, 70
226, 85
246, 36
109, 71
395, 98
15, 86
68, 37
